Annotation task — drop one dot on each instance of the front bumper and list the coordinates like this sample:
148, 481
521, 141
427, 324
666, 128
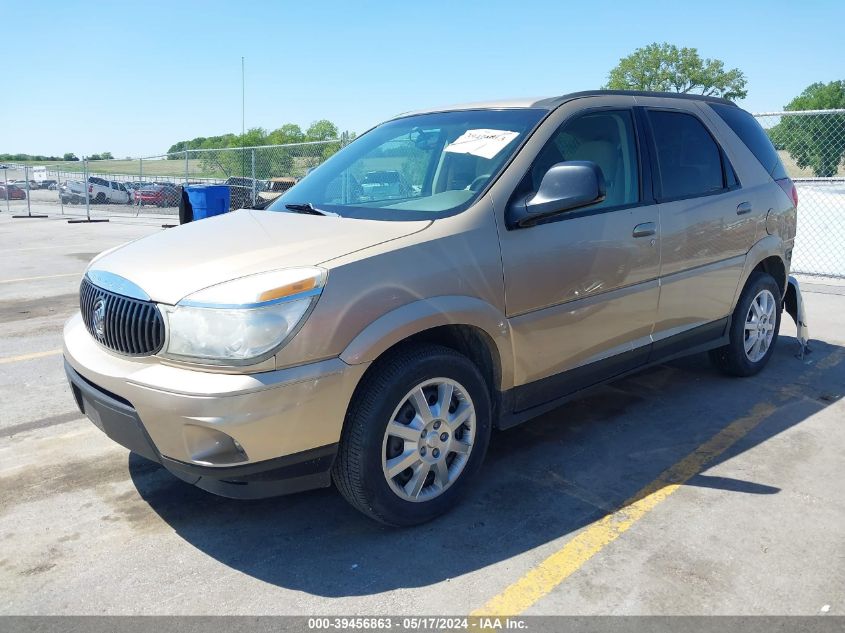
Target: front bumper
238, 435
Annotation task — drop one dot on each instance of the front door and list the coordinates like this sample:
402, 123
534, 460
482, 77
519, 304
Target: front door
581, 288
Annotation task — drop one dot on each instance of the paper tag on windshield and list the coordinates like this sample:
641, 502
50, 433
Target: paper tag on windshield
484, 143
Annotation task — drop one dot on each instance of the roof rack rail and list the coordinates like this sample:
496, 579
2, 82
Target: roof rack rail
555, 101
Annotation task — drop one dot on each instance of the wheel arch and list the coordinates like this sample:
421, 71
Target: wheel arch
767, 256
466, 324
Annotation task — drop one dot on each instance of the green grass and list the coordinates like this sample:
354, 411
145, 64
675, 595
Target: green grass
171, 168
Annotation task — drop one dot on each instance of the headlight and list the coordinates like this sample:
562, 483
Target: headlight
242, 320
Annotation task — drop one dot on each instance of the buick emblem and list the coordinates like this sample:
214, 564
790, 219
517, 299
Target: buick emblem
98, 318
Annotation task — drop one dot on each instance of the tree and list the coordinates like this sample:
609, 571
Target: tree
69, 156
106, 156
814, 141
288, 133
667, 68
321, 130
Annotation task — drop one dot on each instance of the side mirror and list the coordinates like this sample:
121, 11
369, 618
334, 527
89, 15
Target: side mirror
568, 185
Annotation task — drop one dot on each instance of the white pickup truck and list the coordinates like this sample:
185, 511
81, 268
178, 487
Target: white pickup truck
100, 191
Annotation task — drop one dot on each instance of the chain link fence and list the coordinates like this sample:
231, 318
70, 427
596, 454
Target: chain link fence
151, 186
811, 145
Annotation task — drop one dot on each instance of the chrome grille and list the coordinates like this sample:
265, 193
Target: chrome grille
123, 324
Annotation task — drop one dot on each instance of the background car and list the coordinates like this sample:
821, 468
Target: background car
13, 191
72, 192
385, 184
132, 188
100, 191
274, 188
240, 191
159, 194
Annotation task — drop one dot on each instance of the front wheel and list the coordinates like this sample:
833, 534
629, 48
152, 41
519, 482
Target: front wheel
415, 435
754, 328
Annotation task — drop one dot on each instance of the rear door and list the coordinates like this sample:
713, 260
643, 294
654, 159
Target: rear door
707, 226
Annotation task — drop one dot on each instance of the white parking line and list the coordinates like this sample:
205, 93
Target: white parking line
41, 248
19, 279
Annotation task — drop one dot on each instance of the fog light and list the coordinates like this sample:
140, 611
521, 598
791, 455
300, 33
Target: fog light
210, 447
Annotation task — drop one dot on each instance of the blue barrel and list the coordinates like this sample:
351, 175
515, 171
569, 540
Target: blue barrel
208, 200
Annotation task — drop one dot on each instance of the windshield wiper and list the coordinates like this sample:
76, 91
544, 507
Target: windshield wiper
308, 208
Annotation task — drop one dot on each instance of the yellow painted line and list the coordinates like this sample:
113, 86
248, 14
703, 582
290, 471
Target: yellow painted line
15, 359
543, 578
19, 279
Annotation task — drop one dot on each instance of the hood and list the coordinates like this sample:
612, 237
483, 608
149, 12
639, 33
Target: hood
170, 265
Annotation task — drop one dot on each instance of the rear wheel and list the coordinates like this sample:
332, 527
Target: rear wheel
754, 328
100, 198
415, 435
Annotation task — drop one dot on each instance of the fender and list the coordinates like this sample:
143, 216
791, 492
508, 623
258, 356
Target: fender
769, 246
418, 316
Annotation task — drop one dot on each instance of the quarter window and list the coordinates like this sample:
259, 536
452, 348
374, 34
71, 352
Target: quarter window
688, 159
755, 138
607, 139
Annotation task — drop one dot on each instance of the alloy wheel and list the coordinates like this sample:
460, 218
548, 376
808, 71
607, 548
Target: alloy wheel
760, 324
428, 439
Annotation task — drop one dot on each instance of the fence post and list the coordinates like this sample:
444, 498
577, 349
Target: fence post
87, 199
28, 206
28, 191
253, 176
186, 167
6, 188
85, 185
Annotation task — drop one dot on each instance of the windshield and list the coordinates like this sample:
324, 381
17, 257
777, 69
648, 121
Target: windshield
416, 167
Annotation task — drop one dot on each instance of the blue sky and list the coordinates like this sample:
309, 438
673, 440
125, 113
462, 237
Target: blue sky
134, 77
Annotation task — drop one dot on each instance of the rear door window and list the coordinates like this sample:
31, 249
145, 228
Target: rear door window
689, 161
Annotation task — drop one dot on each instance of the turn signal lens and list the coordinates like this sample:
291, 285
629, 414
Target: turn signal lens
256, 290
288, 289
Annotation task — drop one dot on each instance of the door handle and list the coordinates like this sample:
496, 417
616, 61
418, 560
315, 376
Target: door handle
645, 229
743, 207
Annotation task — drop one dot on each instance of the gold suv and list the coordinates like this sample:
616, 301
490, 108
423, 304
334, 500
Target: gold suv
373, 335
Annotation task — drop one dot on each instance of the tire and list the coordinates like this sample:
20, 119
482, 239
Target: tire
100, 198
366, 448
733, 359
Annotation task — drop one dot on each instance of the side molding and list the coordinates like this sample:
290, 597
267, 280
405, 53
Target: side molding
418, 316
